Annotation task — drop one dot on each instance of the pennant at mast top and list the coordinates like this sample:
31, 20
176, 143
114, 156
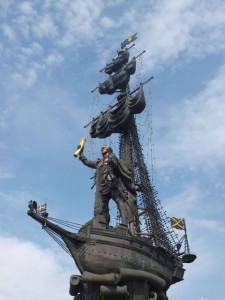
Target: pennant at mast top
129, 40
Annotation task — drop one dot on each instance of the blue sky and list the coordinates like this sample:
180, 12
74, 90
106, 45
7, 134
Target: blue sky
50, 54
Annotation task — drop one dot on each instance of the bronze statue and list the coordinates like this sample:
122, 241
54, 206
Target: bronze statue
139, 258
114, 180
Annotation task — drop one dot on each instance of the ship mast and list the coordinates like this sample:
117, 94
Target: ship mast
120, 119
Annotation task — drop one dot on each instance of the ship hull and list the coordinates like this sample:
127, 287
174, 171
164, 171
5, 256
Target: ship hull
112, 261
106, 252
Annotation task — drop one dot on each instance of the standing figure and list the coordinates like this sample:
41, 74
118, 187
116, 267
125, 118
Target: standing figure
114, 180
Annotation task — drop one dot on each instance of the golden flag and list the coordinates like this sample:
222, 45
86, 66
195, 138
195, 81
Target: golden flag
129, 40
177, 223
41, 208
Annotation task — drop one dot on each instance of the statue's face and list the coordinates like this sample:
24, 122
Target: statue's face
105, 149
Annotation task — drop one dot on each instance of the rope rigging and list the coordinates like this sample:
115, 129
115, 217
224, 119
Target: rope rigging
156, 223
65, 223
57, 239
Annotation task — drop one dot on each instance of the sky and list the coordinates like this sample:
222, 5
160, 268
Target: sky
50, 56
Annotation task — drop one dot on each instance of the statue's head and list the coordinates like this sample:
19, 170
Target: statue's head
106, 149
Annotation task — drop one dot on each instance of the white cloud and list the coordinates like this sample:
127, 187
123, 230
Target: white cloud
80, 22
211, 225
28, 272
54, 59
14, 199
193, 131
43, 118
4, 5
26, 8
8, 32
34, 49
167, 29
191, 197
173, 28
107, 22
45, 27
26, 80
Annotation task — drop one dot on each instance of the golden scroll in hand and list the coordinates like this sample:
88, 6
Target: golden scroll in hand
80, 148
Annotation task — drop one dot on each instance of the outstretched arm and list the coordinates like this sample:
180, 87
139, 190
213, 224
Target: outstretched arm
90, 163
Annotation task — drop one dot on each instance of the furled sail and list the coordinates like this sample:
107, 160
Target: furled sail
116, 119
117, 63
119, 80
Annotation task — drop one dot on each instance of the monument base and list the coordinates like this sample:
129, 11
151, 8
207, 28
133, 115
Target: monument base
113, 286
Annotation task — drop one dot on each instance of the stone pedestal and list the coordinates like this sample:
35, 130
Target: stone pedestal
110, 287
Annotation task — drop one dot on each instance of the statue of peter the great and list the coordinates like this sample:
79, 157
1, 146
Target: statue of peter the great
114, 180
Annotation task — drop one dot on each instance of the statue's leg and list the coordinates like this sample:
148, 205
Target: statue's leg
121, 201
97, 203
128, 210
101, 207
132, 213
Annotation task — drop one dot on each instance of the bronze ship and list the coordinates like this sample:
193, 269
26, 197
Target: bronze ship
139, 258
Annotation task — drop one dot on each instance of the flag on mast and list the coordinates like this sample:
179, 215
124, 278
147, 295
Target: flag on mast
129, 40
42, 208
177, 223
